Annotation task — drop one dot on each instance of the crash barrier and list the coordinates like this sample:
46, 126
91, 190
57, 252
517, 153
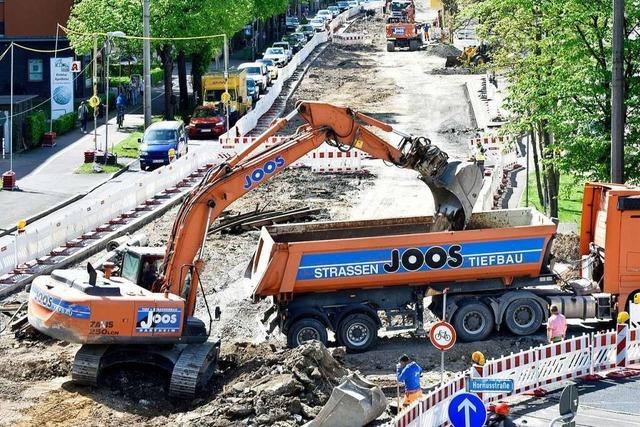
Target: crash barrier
351, 39
55, 230
530, 369
229, 147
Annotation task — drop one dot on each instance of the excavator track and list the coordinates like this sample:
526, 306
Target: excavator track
86, 364
194, 369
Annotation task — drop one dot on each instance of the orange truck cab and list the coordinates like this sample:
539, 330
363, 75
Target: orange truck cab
356, 277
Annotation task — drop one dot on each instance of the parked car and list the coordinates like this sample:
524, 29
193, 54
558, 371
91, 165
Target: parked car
335, 10
325, 13
277, 55
318, 24
307, 30
343, 5
271, 66
158, 139
209, 120
258, 72
252, 90
353, 3
287, 49
291, 22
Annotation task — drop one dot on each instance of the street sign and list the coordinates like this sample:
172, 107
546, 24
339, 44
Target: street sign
467, 410
442, 335
94, 101
490, 385
225, 97
76, 66
569, 401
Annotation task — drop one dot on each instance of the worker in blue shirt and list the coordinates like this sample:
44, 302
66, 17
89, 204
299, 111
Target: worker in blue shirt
408, 372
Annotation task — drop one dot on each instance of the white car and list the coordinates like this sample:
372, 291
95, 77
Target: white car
335, 10
318, 24
277, 55
287, 49
258, 72
325, 13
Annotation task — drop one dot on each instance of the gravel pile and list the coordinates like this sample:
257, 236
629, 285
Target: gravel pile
443, 50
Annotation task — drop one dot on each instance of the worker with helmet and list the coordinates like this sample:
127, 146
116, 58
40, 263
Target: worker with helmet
499, 416
480, 155
409, 372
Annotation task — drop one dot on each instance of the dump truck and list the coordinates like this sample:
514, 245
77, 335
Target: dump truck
356, 277
214, 86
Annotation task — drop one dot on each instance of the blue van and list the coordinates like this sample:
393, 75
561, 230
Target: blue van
158, 139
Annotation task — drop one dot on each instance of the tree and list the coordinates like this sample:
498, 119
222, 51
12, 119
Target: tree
556, 56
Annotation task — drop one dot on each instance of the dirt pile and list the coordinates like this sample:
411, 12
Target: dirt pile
566, 247
281, 388
443, 50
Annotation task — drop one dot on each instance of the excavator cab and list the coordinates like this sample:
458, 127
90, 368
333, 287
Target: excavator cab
142, 265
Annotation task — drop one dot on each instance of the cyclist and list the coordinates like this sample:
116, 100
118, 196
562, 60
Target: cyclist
121, 103
408, 372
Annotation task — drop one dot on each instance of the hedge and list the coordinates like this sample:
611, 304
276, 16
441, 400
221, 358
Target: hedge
64, 123
36, 127
157, 74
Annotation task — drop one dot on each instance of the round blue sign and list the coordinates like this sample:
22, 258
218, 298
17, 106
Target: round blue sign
467, 410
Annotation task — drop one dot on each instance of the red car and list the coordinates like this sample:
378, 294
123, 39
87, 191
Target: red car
207, 121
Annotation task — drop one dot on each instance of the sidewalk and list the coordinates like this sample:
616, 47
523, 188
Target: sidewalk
45, 176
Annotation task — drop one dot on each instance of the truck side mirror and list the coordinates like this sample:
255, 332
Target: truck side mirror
139, 140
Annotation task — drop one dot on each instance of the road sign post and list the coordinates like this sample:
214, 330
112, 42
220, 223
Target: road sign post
442, 335
466, 410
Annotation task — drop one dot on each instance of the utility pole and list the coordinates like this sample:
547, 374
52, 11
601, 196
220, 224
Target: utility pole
146, 63
617, 94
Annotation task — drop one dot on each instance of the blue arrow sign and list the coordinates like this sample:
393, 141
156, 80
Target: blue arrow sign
490, 385
467, 410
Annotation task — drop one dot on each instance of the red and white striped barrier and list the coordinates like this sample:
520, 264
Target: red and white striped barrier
327, 159
231, 146
351, 39
572, 358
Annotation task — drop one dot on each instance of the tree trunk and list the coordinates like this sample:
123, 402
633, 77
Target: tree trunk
182, 82
196, 75
167, 65
536, 165
543, 166
552, 175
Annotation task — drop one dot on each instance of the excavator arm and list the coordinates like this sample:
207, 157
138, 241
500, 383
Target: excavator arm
335, 125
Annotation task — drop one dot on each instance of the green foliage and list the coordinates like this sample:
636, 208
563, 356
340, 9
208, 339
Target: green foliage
87, 168
36, 127
557, 57
64, 123
570, 198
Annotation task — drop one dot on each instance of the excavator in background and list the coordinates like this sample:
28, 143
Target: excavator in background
139, 319
401, 29
471, 56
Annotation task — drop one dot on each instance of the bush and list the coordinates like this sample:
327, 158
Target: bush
36, 127
64, 123
156, 77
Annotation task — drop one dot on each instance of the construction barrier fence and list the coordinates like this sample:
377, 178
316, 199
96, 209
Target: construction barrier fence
531, 369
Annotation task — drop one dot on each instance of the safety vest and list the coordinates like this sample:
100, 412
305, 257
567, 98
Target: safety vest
480, 154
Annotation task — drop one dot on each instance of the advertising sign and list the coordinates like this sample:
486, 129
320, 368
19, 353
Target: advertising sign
61, 87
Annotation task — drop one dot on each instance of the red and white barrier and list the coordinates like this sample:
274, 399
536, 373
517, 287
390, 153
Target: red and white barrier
351, 39
327, 159
572, 358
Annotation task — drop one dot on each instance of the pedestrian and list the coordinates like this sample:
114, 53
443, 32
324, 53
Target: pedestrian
83, 115
408, 372
556, 325
480, 155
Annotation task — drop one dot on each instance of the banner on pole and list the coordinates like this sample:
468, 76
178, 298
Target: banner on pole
61, 87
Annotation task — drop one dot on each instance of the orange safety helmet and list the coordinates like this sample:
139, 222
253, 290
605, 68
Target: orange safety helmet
502, 408
478, 358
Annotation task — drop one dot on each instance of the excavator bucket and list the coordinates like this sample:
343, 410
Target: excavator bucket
453, 61
455, 191
355, 402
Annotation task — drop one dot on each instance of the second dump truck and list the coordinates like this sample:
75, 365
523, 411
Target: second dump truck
357, 277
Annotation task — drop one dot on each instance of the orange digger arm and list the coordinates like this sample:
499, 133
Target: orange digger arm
251, 168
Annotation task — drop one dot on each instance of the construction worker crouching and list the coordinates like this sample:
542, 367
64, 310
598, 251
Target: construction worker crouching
480, 156
409, 372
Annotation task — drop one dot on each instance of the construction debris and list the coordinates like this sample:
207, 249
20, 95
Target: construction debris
281, 388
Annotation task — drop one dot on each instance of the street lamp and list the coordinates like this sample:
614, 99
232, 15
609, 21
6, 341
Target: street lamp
107, 51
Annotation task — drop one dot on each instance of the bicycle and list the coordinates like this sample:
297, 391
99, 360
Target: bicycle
443, 335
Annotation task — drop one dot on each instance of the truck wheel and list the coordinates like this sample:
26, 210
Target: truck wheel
523, 316
358, 332
391, 46
414, 45
304, 330
473, 321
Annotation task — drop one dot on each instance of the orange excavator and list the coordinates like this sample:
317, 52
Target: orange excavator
136, 318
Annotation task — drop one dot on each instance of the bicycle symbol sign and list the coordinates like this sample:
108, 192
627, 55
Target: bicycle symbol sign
442, 335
